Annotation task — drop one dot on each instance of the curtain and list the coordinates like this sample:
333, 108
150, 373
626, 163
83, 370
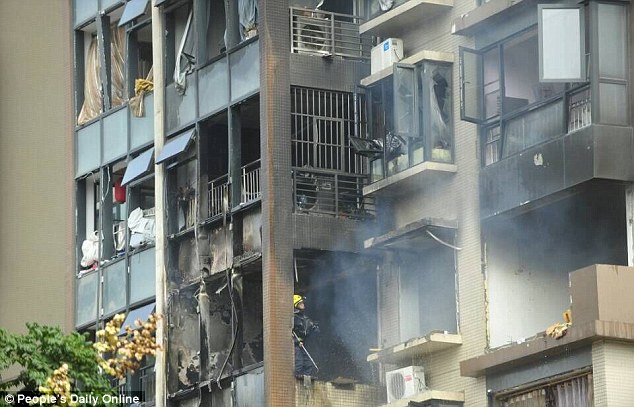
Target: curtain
248, 10
93, 105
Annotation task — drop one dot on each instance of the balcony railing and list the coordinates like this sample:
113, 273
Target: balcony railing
537, 124
579, 110
218, 196
251, 190
325, 33
331, 193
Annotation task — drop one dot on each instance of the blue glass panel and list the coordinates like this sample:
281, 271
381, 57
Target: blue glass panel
83, 10
114, 287
115, 135
86, 305
132, 10
138, 167
88, 148
245, 71
142, 271
142, 128
213, 90
180, 109
140, 313
175, 146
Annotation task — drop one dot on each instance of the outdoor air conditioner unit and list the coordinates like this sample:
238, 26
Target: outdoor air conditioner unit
386, 54
404, 383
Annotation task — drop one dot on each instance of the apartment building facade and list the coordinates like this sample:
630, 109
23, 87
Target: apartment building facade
405, 165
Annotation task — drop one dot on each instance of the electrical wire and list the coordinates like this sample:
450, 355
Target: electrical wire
442, 242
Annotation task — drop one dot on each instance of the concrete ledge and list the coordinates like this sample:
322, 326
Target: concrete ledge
411, 235
471, 22
424, 55
414, 177
434, 342
393, 22
543, 346
429, 395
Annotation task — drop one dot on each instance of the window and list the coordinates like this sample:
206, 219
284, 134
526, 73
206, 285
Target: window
92, 53
411, 118
502, 89
561, 43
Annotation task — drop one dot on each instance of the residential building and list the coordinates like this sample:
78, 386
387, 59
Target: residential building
434, 176
35, 161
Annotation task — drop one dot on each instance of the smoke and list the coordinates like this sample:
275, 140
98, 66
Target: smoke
340, 291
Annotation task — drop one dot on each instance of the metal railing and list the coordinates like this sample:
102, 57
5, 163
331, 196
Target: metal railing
331, 193
579, 110
250, 175
218, 196
325, 33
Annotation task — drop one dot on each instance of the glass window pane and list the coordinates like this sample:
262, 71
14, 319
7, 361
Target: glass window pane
138, 167
491, 73
115, 135
613, 103
181, 109
562, 44
84, 9
132, 10
142, 128
471, 85
86, 306
88, 148
142, 313
214, 92
612, 41
533, 128
245, 71
175, 146
404, 102
114, 287
142, 271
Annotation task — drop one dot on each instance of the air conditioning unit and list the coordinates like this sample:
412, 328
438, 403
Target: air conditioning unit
404, 383
386, 54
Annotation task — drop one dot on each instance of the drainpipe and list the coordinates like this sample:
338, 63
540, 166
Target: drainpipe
158, 42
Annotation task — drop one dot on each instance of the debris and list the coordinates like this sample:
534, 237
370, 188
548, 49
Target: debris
560, 329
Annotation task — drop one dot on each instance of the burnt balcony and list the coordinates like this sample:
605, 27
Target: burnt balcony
602, 309
325, 33
548, 149
218, 196
330, 193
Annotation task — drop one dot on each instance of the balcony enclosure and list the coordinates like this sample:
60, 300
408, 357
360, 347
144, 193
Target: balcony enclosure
410, 119
525, 91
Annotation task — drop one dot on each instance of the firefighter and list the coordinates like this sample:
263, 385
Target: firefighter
302, 328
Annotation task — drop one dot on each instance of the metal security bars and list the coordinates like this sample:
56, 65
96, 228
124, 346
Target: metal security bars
579, 110
325, 33
575, 392
251, 190
322, 122
331, 193
218, 196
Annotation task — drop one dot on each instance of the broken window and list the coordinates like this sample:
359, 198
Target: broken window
180, 46
427, 295
141, 216
214, 164
341, 298
140, 66
99, 72
182, 182
249, 119
529, 258
215, 23
411, 118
